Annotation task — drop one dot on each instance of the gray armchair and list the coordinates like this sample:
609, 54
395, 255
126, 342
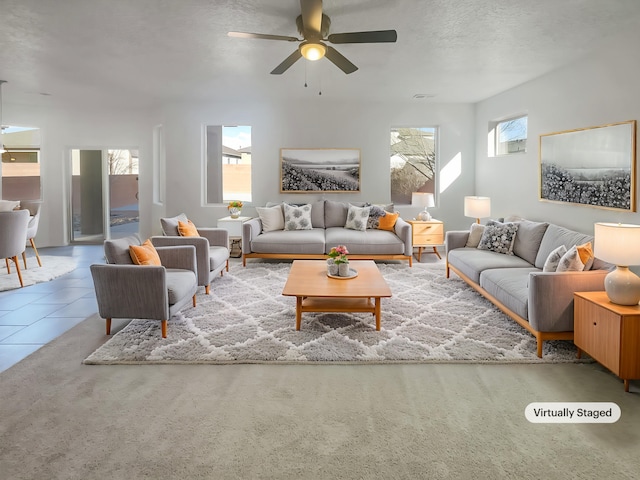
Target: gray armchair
125, 290
212, 248
13, 231
33, 206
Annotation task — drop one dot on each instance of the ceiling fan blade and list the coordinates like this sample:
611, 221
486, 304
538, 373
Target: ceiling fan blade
379, 36
340, 60
263, 36
284, 66
311, 18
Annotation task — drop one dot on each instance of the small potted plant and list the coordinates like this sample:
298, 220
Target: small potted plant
234, 207
338, 255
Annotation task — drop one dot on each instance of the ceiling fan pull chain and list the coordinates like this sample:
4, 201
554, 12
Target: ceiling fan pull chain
305, 74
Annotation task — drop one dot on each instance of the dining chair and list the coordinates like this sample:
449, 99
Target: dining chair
13, 234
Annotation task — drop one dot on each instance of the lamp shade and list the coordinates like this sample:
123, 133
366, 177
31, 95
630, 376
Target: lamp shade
477, 207
617, 243
423, 199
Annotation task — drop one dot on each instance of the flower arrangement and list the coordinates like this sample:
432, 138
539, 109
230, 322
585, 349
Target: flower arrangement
339, 254
234, 204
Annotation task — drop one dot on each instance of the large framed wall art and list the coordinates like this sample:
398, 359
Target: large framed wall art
593, 166
308, 170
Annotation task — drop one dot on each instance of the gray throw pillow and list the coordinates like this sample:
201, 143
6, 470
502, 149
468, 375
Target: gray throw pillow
552, 261
357, 218
475, 235
498, 237
528, 240
297, 218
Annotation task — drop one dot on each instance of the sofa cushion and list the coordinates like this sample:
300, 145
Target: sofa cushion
297, 217
179, 284
498, 237
170, 224
528, 238
369, 242
272, 218
317, 211
510, 286
556, 236
357, 218
552, 261
471, 261
335, 214
217, 256
293, 242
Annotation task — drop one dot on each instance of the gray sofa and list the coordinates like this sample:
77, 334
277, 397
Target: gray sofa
328, 230
539, 301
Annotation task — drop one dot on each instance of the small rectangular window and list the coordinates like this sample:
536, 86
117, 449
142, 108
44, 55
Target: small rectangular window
511, 136
228, 163
413, 162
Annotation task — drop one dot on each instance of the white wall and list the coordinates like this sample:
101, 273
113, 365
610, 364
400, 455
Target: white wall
600, 89
319, 123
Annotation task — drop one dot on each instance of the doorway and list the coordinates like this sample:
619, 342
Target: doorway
104, 194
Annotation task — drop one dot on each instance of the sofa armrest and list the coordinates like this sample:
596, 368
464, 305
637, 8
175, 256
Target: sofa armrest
250, 230
403, 230
182, 257
131, 291
551, 297
455, 239
217, 236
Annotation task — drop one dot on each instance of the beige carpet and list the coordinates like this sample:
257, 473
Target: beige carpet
246, 319
52, 267
64, 420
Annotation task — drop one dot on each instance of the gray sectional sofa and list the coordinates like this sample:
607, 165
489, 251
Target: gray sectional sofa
540, 301
328, 219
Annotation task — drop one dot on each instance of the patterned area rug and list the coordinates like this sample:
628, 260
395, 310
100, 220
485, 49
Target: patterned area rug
52, 267
246, 320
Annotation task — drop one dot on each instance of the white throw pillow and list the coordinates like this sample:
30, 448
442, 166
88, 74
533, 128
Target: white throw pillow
357, 218
475, 234
9, 205
570, 261
271, 218
552, 261
297, 218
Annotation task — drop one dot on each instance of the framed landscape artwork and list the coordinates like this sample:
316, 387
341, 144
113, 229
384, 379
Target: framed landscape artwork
593, 166
308, 170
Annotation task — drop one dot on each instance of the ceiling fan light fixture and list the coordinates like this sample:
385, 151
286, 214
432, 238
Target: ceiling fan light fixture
313, 51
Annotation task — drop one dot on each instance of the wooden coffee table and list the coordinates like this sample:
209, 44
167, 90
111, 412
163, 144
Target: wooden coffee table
316, 292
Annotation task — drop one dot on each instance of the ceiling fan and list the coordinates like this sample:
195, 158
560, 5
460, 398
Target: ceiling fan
314, 25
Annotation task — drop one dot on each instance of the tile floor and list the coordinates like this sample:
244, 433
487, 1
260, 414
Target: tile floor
30, 317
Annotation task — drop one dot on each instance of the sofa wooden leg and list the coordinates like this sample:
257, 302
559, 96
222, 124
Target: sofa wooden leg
227, 266
164, 329
194, 300
540, 343
244, 261
108, 326
207, 289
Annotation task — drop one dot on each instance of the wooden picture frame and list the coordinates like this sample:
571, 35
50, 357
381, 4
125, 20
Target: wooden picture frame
312, 170
593, 166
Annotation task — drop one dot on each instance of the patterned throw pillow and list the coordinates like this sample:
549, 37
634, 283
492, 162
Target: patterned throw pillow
576, 259
375, 213
552, 261
357, 218
498, 237
297, 218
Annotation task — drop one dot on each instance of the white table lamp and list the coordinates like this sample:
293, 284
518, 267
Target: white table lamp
423, 199
619, 244
477, 207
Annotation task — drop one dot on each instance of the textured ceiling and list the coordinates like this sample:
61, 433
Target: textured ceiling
146, 52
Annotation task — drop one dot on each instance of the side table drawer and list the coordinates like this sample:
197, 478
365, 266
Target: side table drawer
427, 229
428, 239
597, 332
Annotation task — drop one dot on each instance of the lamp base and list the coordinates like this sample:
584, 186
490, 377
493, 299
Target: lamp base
423, 216
622, 286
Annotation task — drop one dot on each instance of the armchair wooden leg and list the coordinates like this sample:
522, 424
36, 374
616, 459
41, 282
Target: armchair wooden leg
33, 245
194, 300
227, 264
6, 261
24, 259
207, 289
108, 326
164, 329
17, 262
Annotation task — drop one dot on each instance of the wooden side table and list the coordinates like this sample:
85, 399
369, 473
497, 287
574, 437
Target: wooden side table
429, 233
609, 333
234, 227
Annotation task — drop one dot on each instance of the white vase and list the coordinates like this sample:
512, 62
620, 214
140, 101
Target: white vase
332, 267
234, 212
343, 269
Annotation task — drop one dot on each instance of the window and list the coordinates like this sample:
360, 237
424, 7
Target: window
228, 163
413, 162
511, 136
21, 163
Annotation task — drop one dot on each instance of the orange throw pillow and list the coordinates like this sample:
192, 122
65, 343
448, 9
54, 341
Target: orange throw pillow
585, 252
388, 222
187, 229
144, 254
